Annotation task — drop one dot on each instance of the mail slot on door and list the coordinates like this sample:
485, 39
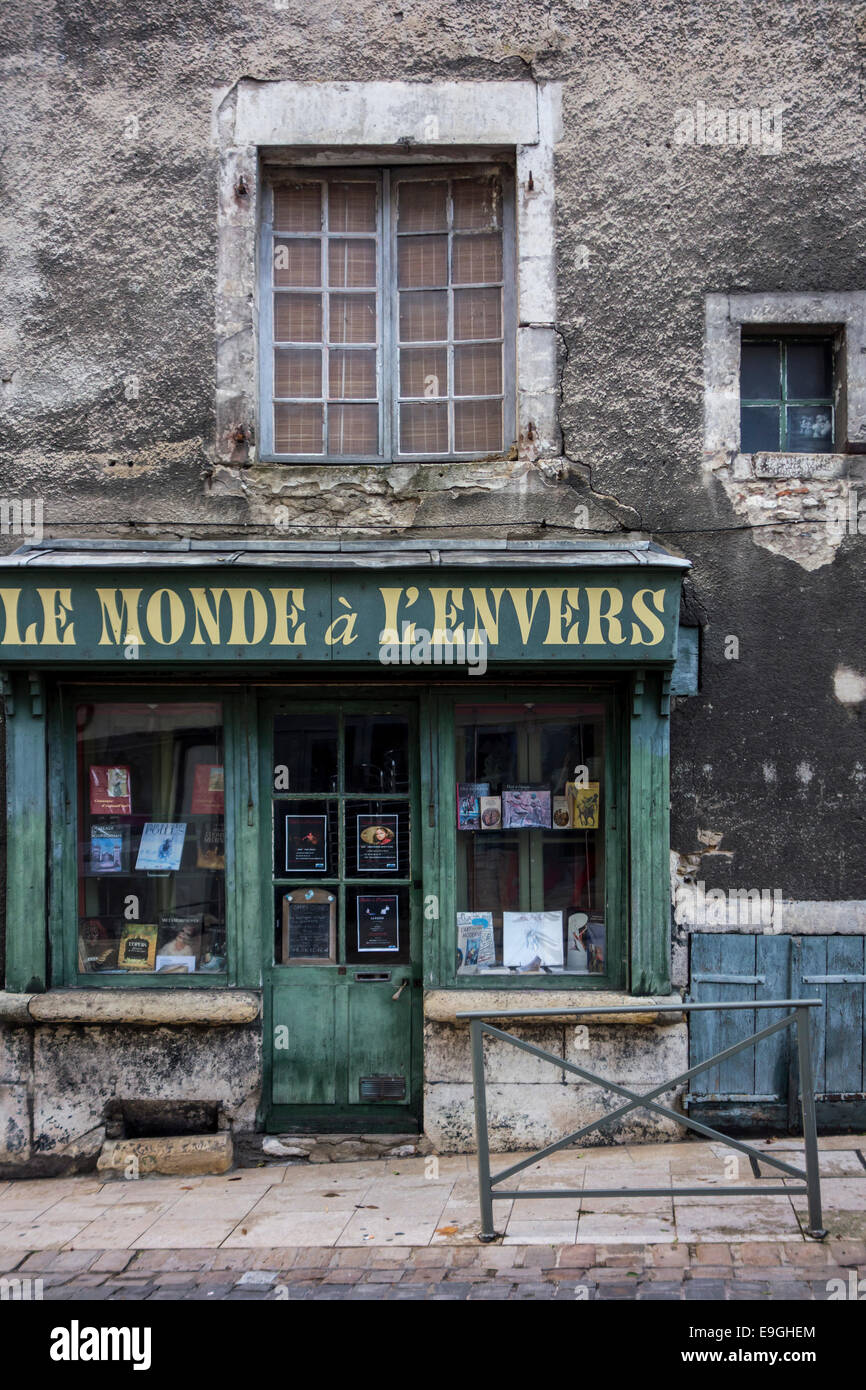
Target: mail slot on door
365, 977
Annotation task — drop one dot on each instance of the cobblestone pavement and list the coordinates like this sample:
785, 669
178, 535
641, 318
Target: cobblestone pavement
756, 1271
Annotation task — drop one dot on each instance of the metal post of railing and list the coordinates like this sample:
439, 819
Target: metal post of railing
478, 1085
810, 1130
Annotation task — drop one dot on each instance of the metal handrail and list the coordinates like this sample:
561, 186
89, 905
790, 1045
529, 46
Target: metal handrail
635, 1101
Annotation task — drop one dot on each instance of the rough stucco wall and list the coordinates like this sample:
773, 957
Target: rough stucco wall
56, 1084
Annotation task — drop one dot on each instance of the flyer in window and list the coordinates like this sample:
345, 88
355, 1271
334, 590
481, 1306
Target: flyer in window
108, 848
306, 844
208, 789
377, 844
491, 812
378, 922
211, 845
584, 801
137, 946
475, 942
526, 807
110, 791
161, 846
179, 942
469, 796
531, 940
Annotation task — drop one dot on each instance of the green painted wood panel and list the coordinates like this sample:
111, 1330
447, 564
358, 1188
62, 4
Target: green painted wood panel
305, 1054
379, 1030
27, 843
649, 821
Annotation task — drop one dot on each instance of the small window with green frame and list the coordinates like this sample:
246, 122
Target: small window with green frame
787, 395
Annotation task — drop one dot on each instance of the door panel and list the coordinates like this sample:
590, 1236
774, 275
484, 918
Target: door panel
340, 780
380, 1028
305, 1051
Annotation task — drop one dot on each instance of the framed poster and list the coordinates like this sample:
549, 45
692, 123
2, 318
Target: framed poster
309, 927
378, 922
378, 851
306, 844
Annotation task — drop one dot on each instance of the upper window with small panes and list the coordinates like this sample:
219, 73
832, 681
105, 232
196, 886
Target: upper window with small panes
387, 319
787, 400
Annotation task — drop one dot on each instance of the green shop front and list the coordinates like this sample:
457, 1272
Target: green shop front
278, 812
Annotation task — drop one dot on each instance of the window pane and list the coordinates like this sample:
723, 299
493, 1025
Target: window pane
422, 207
424, 429
478, 370
477, 259
298, 207
760, 372
352, 207
352, 374
422, 260
353, 429
297, 262
151, 817
377, 753
352, 264
477, 314
424, 371
297, 372
353, 318
477, 426
759, 429
305, 838
305, 752
298, 429
298, 318
377, 839
477, 203
424, 316
810, 429
530, 838
810, 370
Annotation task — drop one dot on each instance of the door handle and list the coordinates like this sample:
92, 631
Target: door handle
399, 990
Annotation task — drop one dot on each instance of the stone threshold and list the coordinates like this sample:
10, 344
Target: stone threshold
254, 1150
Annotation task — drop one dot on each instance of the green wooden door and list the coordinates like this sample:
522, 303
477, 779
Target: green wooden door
342, 946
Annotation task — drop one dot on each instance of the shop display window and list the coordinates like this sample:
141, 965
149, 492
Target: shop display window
151, 838
529, 810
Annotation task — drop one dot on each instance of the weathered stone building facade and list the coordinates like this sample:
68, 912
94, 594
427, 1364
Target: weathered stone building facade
676, 181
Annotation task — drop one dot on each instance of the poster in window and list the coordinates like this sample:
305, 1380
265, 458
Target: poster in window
109, 846
309, 927
491, 812
526, 807
378, 851
178, 942
97, 946
138, 946
469, 796
475, 941
208, 795
110, 791
378, 922
531, 940
306, 844
584, 801
161, 846
211, 852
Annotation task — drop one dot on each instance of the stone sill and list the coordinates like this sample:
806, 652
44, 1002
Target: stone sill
443, 1005
794, 467
217, 1008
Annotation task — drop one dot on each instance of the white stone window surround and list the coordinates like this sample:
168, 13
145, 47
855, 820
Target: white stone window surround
372, 121
728, 316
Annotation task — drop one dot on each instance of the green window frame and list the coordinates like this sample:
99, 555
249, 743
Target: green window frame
441, 749
787, 398
62, 885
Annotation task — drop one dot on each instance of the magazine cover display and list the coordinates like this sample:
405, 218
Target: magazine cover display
475, 942
137, 949
110, 791
161, 846
208, 789
109, 848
